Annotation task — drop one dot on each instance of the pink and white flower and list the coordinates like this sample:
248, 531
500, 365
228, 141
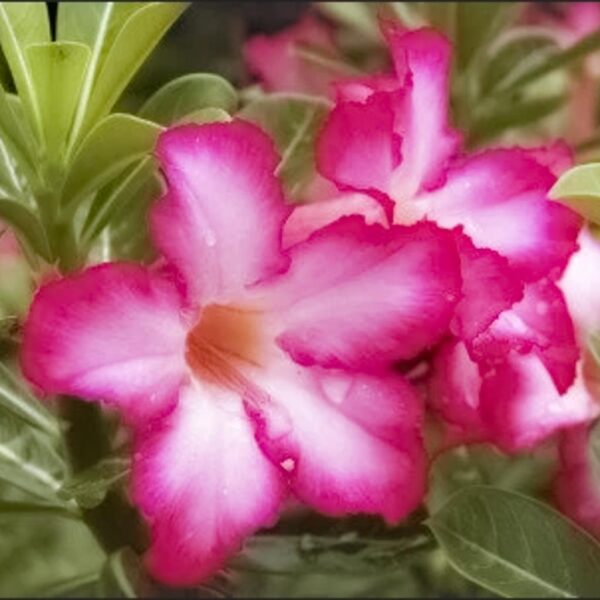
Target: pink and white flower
247, 371
513, 353
278, 62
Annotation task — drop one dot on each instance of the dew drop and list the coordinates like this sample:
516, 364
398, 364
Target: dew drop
288, 464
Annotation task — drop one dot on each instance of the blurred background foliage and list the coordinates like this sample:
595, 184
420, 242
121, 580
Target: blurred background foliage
511, 83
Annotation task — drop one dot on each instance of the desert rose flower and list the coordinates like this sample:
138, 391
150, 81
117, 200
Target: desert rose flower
577, 484
249, 372
278, 62
513, 354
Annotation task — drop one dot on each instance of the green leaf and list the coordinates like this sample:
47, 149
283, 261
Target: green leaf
508, 115
560, 60
205, 115
57, 73
15, 136
16, 398
579, 189
517, 52
116, 142
345, 554
482, 464
44, 554
29, 459
95, 24
355, 15
293, 121
138, 36
114, 197
189, 94
516, 546
123, 576
23, 24
89, 488
477, 25
27, 224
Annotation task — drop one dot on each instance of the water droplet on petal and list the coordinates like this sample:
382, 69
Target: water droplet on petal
289, 464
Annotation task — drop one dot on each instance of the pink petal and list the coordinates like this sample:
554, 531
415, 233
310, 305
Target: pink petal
580, 284
577, 487
221, 219
361, 296
347, 442
557, 156
111, 333
489, 287
203, 485
521, 406
513, 404
276, 59
307, 218
422, 121
357, 147
540, 323
454, 390
500, 198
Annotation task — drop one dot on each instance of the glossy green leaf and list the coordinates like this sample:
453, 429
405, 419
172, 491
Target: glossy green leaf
23, 24
89, 488
111, 199
138, 36
116, 142
95, 24
25, 222
14, 133
189, 94
516, 546
579, 189
57, 72
293, 121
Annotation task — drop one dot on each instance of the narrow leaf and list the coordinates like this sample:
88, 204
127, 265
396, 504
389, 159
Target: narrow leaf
576, 52
16, 398
516, 546
57, 72
117, 141
108, 201
23, 24
95, 24
579, 189
27, 224
29, 460
189, 94
132, 45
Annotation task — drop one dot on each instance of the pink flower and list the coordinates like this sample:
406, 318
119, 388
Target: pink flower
249, 371
278, 62
514, 353
577, 489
